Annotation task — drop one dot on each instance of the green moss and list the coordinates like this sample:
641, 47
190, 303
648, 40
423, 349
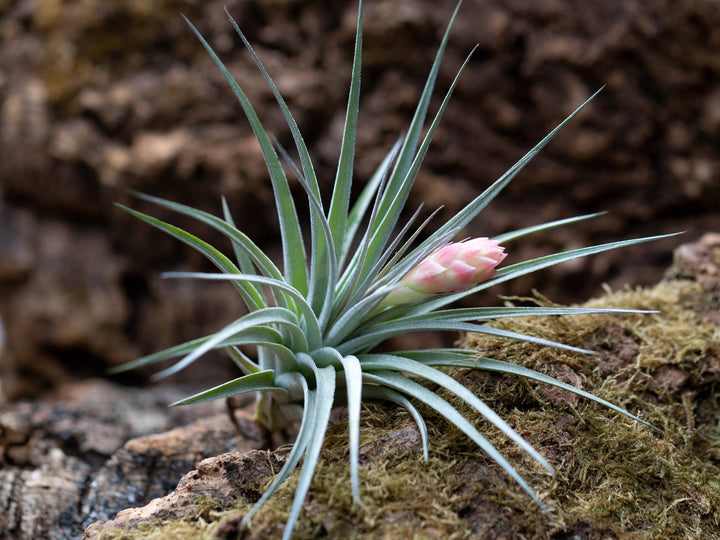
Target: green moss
614, 477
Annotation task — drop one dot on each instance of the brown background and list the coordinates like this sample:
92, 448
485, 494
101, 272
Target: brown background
98, 97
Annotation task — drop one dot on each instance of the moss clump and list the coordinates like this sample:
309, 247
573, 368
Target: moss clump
615, 478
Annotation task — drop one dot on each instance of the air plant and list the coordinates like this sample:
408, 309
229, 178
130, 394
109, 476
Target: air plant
316, 322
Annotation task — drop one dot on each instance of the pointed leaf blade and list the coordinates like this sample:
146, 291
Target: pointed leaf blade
262, 380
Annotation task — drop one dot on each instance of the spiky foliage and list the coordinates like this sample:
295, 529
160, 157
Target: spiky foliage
317, 327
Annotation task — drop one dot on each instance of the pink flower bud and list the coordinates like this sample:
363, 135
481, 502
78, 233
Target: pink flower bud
455, 267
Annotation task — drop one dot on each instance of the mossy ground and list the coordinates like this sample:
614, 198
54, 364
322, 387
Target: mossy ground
615, 478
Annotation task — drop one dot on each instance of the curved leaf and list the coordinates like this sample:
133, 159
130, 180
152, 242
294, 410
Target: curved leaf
411, 388
262, 380
310, 329
370, 337
293, 246
325, 390
251, 336
488, 364
247, 323
250, 295
519, 233
305, 433
390, 362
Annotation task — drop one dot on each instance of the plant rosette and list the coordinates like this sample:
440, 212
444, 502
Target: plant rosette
367, 278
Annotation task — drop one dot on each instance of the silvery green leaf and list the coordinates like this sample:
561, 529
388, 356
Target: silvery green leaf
340, 201
410, 388
293, 246
371, 337
242, 361
520, 269
248, 323
311, 327
512, 235
325, 391
488, 364
305, 433
363, 201
396, 195
469, 212
262, 380
388, 362
250, 295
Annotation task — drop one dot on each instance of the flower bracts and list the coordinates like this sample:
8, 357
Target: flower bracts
455, 267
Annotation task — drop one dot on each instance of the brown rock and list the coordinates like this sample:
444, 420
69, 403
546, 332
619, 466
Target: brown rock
84, 457
225, 479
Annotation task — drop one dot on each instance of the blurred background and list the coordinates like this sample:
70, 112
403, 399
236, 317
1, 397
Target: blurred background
98, 97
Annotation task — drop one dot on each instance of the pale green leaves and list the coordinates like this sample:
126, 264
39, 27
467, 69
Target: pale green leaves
315, 321
255, 382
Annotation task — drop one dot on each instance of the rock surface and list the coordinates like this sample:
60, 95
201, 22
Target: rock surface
99, 447
225, 479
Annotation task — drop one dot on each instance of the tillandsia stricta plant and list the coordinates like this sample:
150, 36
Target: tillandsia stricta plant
367, 278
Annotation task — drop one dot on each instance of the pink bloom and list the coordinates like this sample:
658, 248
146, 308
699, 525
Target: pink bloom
455, 267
